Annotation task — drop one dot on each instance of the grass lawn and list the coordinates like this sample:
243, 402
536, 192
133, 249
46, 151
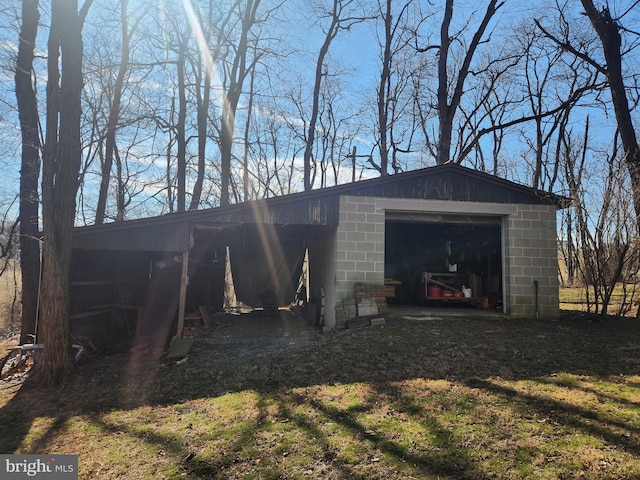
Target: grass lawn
418, 397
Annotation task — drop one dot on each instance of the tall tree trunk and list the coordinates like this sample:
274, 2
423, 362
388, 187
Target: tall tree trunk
237, 75
332, 31
61, 165
247, 129
203, 117
182, 120
112, 122
30, 169
383, 91
207, 56
170, 142
445, 111
203, 92
120, 186
226, 145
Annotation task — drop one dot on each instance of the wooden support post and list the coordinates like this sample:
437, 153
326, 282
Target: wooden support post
184, 281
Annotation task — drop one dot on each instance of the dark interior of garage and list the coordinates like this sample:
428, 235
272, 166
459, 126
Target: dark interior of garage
444, 263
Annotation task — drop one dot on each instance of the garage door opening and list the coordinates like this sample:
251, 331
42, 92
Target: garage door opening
444, 261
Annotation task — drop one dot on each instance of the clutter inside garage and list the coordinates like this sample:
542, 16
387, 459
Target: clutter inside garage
443, 262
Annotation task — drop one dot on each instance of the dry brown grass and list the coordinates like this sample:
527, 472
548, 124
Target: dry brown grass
623, 299
10, 300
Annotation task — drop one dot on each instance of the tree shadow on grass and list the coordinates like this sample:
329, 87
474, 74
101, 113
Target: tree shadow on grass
602, 397
466, 352
450, 460
611, 431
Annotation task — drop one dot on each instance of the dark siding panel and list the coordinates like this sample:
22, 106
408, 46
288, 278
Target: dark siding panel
312, 211
173, 237
449, 186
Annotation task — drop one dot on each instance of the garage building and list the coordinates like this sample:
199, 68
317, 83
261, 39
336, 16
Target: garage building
433, 236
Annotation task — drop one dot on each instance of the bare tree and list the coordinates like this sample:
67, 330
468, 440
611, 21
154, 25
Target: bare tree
203, 72
335, 132
543, 66
235, 74
603, 251
168, 59
9, 241
538, 76
30, 168
396, 72
114, 118
61, 165
271, 154
492, 106
211, 35
608, 30
449, 97
342, 15
247, 131
495, 106
181, 137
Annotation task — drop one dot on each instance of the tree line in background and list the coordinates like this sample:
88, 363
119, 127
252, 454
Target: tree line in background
129, 108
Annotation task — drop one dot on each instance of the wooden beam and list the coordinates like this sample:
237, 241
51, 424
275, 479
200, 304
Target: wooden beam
205, 316
184, 281
444, 285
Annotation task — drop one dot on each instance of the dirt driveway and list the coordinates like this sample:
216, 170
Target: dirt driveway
255, 352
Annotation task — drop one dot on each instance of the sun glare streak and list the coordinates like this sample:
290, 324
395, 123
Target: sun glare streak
266, 231
203, 47
199, 36
271, 245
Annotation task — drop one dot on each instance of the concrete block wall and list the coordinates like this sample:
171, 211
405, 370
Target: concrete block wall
532, 255
529, 247
359, 246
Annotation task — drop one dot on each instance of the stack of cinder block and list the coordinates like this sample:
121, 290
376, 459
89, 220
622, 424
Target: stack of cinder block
345, 310
370, 299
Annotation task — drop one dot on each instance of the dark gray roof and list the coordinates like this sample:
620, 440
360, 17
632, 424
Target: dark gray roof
320, 207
